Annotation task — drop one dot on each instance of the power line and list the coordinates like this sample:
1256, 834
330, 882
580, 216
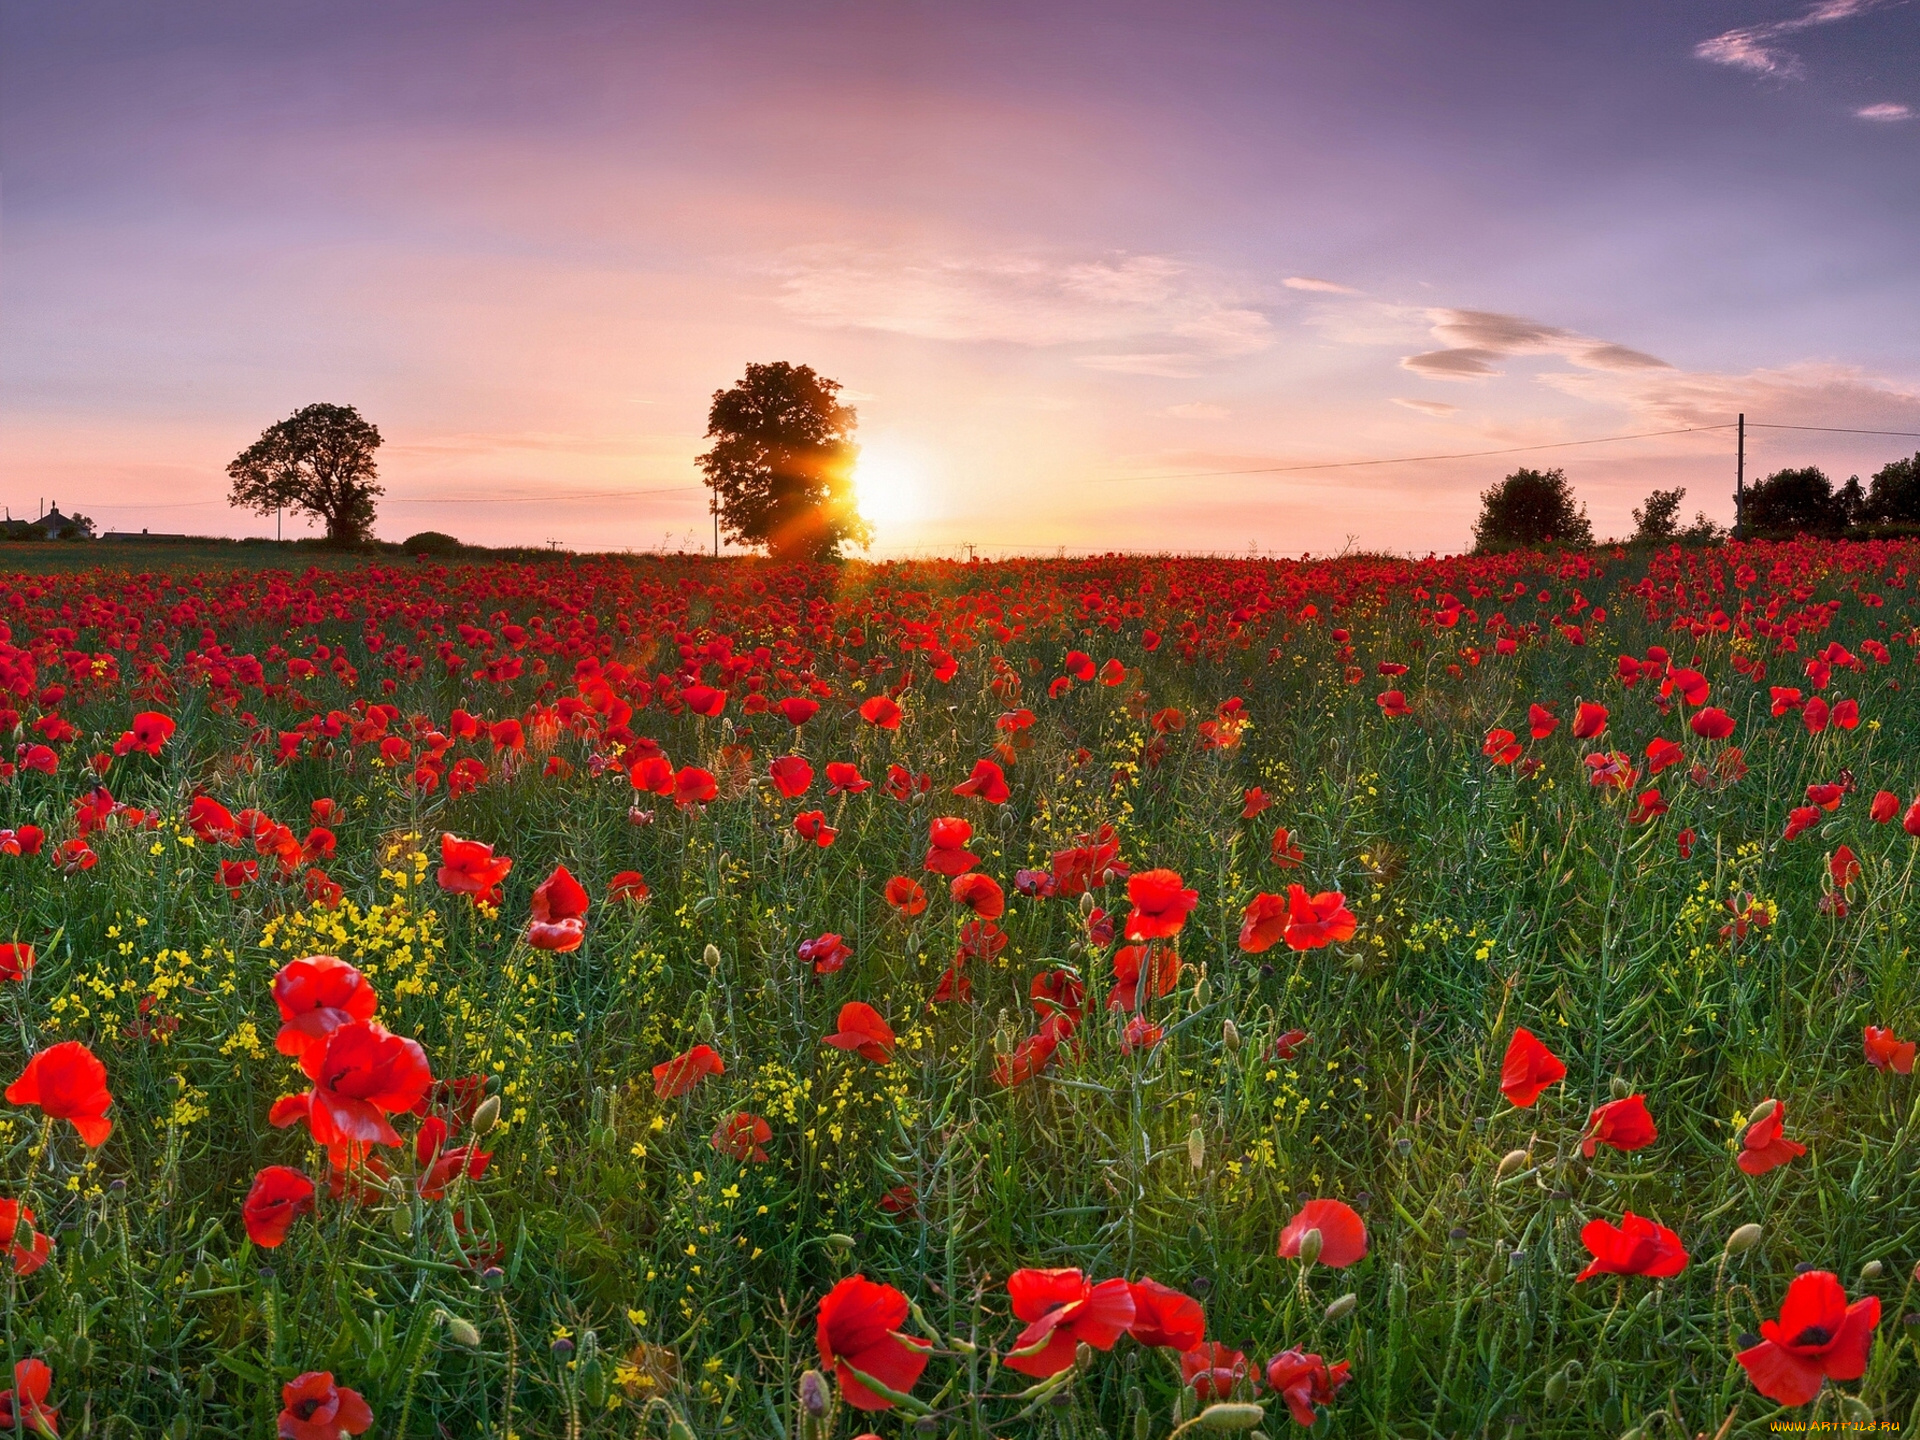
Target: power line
550, 495
1831, 429
1412, 459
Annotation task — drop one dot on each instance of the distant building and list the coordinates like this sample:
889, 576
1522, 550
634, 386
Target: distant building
150, 536
50, 526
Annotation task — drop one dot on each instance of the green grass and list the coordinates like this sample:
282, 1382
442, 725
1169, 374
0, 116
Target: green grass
1485, 899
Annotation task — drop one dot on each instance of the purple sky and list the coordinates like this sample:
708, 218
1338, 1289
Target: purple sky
1053, 252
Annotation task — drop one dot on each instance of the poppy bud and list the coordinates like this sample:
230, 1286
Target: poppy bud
814, 1398
1343, 1307
1083, 1357
840, 1244
1310, 1246
1404, 1145
1744, 1239
1872, 1270
494, 1278
1142, 1422
1201, 993
202, 1272
402, 1222
80, 1350
562, 1348
707, 902
1086, 902
486, 1115
462, 1332
1229, 1416
1510, 1162
1856, 1411
926, 1425
1762, 1111
711, 955
1196, 1148
1556, 1390
1185, 1404
1230, 1036
1620, 1088
678, 1429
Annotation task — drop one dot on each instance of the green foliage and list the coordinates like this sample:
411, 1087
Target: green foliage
1531, 508
1894, 495
1799, 502
1657, 522
782, 462
318, 462
430, 542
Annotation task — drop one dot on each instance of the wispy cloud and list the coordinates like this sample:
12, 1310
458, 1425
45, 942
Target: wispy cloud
1438, 408
1476, 339
1884, 114
1756, 48
1308, 282
1147, 314
1811, 393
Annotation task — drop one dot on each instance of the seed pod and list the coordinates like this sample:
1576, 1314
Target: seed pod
1872, 1270
1196, 1148
1510, 1162
1620, 1088
562, 1349
401, 1221
707, 902
487, 1115
711, 955
1310, 1246
1201, 993
678, 1429
1230, 1036
1744, 1239
1339, 1309
462, 1332
815, 1398
1087, 906
1083, 1357
840, 1244
1229, 1416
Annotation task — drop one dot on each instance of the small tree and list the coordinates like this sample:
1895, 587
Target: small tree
1792, 502
318, 462
1531, 507
1894, 494
781, 466
1658, 520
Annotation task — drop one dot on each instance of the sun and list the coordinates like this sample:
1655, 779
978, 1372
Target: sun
891, 482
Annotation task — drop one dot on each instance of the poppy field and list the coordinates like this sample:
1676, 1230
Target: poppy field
1124, 997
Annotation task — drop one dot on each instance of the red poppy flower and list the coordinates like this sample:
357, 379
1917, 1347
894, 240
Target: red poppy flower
277, 1198
826, 953
25, 840
628, 885
150, 731
1846, 714
236, 873
1393, 703
743, 1138
1317, 920
25, 1406
1501, 747
1818, 1337
1285, 850
906, 895
1130, 963
1637, 1246
792, 776
1305, 1380
1844, 866
1815, 716
1063, 1310
812, 825
1253, 803
1141, 1034
361, 1074
1589, 720
1623, 1124
1529, 1068
1263, 923
322, 891
1212, 1370
1885, 806
68, 1082
1886, 1051
1028, 1058
316, 995
1161, 904
32, 1252
797, 709
1286, 1046
900, 1200
651, 775
559, 918
979, 893
947, 846
1165, 1318
1765, 1146
881, 712
16, 961
468, 867
675, 1077
1648, 806
864, 1032
1343, 1234
442, 1167
988, 782
1800, 819
76, 855
1663, 754
845, 779
694, 786
314, 1408
1057, 992
858, 1334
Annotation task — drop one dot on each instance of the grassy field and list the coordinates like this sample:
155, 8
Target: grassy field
624, 1263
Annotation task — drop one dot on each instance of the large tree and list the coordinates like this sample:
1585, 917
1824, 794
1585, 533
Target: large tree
1531, 507
1792, 502
318, 462
781, 466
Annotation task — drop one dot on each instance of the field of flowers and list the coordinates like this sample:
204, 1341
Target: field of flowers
1112, 997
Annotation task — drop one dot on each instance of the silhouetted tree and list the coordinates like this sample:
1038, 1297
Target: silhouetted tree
318, 462
1531, 507
1802, 501
1894, 496
781, 466
1658, 520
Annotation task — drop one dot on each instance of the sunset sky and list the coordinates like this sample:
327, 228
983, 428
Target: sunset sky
1060, 255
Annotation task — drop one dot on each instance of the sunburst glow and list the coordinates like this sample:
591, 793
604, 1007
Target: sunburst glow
892, 480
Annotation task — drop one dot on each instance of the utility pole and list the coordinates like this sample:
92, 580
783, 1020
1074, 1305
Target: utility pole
716, 522
1740, 483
